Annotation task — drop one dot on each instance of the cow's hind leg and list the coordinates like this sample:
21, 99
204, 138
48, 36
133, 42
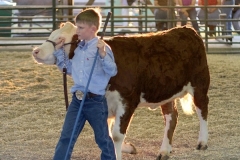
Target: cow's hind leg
201, 103
170, 114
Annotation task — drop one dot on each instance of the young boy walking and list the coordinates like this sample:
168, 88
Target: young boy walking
95, 109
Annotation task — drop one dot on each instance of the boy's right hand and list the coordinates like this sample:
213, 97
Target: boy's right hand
59, 43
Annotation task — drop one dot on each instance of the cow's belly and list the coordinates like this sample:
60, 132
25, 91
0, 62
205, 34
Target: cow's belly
186, 89
115, 105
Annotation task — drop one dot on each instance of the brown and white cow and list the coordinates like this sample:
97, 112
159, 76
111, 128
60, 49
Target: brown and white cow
153, 68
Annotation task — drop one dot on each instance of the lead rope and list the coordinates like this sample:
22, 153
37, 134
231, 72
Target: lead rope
86, 89
64, 71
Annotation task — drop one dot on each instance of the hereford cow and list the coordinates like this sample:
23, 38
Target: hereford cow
154, 68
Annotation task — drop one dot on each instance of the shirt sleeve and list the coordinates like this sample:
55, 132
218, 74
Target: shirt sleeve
62, 61
108, 63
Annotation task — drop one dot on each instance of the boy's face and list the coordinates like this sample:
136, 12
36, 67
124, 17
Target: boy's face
85, 31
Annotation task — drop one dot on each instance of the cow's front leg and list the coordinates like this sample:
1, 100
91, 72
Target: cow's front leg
170, 114
119, 131
126, 147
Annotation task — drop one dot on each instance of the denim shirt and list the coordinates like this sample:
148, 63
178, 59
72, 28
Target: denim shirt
79, 67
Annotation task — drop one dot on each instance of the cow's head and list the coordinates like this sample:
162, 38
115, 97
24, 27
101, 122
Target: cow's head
44, 53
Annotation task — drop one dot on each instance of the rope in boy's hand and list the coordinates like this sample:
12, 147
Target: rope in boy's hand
101, 48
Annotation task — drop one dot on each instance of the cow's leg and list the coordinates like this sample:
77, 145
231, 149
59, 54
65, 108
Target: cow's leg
170, 114
110, 125
201, 103
122, 121
126, 147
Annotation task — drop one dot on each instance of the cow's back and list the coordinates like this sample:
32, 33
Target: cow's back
160, 63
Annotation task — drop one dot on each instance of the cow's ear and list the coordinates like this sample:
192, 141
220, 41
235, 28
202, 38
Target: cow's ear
61, 25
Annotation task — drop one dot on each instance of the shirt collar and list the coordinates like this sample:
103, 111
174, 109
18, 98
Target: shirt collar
83, 44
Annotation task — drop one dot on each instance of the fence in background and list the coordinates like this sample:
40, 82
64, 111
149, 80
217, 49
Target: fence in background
18, 30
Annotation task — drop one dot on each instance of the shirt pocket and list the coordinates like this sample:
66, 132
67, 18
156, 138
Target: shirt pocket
89, 61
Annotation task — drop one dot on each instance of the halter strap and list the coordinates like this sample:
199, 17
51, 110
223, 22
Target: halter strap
54, 44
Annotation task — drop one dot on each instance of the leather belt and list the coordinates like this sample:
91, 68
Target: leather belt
90, 94
80, 94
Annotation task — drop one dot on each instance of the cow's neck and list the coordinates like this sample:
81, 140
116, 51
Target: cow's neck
73, 46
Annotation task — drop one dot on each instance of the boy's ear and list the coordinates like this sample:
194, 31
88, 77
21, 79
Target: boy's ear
94, 28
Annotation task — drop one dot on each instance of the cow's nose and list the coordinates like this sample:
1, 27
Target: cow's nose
36, 51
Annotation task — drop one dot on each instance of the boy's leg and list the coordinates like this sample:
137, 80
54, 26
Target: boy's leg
96, 112
62, 146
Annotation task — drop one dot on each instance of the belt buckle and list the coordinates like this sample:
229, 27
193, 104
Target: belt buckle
79, 94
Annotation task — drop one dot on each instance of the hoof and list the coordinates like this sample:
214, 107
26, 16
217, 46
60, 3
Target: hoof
129, 148
134, 150
201, 147
160, 157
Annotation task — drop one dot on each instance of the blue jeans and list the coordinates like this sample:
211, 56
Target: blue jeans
95, 111
228, 12
192, 13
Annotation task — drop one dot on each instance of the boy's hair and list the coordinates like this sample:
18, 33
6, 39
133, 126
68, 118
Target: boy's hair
90, 16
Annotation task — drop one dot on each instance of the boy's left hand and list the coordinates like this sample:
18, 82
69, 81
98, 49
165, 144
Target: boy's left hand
101, 48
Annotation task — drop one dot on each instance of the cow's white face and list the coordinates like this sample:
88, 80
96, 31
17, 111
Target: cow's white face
44, 53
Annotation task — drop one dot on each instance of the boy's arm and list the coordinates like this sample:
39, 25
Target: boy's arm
108, 63
62, 60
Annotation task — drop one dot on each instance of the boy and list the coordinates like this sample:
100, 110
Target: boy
95, 109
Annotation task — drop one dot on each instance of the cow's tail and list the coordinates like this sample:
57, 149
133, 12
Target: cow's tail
187, 104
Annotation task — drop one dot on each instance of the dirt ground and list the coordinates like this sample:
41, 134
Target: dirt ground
32, 112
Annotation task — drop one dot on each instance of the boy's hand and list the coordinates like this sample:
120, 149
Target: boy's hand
59, 43
101, 48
